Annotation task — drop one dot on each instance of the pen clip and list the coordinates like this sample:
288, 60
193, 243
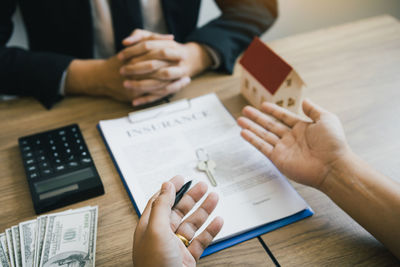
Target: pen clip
181, 192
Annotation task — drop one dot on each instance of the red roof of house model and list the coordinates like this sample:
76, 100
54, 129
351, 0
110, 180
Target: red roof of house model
267, 67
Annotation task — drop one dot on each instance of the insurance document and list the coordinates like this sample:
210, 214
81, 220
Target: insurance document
151, 146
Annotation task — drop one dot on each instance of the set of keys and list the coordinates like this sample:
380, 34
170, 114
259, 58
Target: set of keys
206, 165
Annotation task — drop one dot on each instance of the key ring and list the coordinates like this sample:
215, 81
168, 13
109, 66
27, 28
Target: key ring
202, 152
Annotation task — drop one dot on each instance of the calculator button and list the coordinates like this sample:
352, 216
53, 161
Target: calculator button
68, 151
81, 147
86, 160
40, 152
41, 158
26, 148
61, 132
57, 160
53, 147
30, 161
44, 165
78, 141
66, 144
51, 142
24, 142
73, 164
37, 142
55, 154
64, 138
28, 154
33, 175
70, 157
32, 168
46, 171
84, 153
60, 167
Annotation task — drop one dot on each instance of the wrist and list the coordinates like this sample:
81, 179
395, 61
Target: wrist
339, 173
198, 57
84, 77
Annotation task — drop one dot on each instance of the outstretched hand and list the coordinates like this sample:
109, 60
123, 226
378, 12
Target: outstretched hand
304, 151
155, 241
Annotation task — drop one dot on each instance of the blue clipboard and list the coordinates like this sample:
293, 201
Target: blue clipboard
226, 243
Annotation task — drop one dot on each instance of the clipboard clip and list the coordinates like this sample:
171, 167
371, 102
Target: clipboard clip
158, 111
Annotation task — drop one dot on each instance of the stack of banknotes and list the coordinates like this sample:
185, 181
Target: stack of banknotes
61, 239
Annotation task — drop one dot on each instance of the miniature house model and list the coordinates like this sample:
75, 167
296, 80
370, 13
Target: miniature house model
267, 77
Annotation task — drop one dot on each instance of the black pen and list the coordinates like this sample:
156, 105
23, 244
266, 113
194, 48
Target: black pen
181, 192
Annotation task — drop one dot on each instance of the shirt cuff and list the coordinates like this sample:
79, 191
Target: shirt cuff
215, 57
62, 83
7, 97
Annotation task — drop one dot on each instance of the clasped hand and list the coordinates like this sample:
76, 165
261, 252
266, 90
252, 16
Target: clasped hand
151, 67
154, 65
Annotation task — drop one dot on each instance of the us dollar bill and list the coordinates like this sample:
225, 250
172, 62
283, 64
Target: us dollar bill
17, 246
70, 238
27, 232
3, 257
40, 231
4, 247
10, 245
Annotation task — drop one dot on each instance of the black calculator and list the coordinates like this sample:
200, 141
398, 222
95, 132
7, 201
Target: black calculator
59, 168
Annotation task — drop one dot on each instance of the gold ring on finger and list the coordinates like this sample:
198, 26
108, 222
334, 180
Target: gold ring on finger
183, 239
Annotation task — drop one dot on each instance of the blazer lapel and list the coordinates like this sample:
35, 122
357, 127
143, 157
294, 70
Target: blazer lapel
126, 17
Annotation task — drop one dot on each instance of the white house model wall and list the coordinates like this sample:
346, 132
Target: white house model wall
288, 95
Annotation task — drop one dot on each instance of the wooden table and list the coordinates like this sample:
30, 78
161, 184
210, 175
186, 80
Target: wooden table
352, 70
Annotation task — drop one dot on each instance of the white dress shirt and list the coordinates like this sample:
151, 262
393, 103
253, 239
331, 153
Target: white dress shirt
104, 44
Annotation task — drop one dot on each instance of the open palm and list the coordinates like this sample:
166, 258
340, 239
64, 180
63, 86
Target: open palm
302, 150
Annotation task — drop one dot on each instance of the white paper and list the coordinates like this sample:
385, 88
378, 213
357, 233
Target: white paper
252, 191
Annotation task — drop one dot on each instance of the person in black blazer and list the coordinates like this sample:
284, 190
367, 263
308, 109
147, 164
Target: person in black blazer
60, 37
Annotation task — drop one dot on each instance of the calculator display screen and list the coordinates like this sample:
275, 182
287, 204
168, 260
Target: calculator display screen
64, 180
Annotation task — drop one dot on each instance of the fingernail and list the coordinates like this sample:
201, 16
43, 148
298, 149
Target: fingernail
131, 39
120, 56
136, 103
165, 186
127, 84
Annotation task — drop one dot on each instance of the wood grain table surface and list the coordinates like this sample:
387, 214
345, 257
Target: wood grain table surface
352, 70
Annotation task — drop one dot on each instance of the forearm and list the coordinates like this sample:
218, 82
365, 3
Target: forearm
83, 77
369, 197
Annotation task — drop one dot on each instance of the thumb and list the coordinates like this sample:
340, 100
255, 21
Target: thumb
136, 36
313, 111
162, 205
139, 36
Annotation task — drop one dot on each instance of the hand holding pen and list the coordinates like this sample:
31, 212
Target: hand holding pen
162, 238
